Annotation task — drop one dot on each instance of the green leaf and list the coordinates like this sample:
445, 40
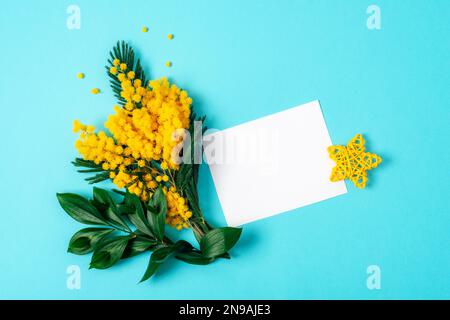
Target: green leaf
128, 199
162, 254
158, 257
79, 162
99, 206
151, 270
218, 241
122, 193
124, 209
138, 216
191, 195
84, 240
112, 213
194, 257
80, 209
198, 236
107, 253
159, 200
90, 170
102, 196
156, 213
183, 246
98, 178
138, 245
184, 175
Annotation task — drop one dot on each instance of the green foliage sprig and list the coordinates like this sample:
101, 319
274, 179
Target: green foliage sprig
130, 227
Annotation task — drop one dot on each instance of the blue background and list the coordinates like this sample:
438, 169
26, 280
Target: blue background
239, 60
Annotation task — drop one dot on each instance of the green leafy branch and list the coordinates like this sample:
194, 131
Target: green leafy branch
131, 227
91, 167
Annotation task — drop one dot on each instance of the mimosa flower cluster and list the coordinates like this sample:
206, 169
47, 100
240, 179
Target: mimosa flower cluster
139, 152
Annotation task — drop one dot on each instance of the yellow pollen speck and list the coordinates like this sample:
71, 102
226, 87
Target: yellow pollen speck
168, 64
80, 75
170, 36
95, 91
144, 29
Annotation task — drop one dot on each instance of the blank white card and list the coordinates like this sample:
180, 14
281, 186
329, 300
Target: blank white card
272, 165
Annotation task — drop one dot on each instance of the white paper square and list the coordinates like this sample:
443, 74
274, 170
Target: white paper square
272, 165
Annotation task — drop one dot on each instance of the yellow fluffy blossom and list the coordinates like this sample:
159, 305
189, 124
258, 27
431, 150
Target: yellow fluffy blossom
95, 91
121, 77
168, 64
77, 126
144, 29
170, 36
145, 130
150, 119
141, 163
80, 75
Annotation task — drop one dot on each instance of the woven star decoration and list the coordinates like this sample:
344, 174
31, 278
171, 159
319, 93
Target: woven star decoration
352, 162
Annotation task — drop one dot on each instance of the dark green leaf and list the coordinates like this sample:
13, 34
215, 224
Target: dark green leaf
100, 206
90, 170
122, 193
218, 241
84, 240
193, 257
183, 246
80, 209
138, 245
198, 235
128, 199
156, 213
191, 193
124, 209
98, 178
102, 196
183, 177
162, 254
107, 253
79, 162
112, 213
151, 270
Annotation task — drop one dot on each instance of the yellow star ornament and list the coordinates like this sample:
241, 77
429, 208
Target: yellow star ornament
352, 162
